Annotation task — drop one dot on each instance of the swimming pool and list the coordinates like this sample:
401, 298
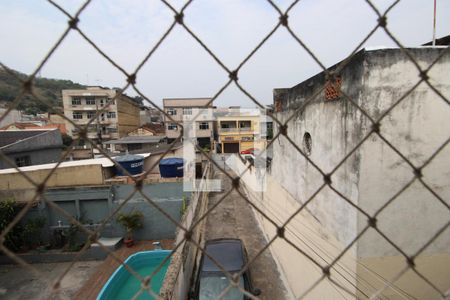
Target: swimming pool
123, 285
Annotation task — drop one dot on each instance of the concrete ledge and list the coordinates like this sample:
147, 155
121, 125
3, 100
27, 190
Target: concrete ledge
95, 252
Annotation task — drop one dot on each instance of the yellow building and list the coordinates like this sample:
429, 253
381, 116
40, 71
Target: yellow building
240, 130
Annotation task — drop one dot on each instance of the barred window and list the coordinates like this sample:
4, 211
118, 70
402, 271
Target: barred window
172, 126
76, 101
77, 115
23, 161
90, 100
172, 111
203, 126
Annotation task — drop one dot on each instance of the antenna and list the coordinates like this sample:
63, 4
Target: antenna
434, 25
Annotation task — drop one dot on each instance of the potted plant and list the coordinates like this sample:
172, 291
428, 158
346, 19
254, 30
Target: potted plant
130, 221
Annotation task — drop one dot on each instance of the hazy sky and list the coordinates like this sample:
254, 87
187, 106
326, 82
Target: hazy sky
127, 29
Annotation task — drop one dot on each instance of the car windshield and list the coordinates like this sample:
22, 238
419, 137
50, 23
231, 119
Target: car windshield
211, 286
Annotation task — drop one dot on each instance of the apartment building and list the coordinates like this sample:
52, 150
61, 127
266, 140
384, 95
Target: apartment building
239, 130
119, 118
186, 109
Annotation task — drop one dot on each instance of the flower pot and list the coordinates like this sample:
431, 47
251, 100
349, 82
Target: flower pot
128, 242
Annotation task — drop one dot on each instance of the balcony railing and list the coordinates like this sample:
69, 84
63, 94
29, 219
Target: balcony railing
236, 130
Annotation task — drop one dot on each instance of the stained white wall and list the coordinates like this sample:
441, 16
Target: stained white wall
417, 127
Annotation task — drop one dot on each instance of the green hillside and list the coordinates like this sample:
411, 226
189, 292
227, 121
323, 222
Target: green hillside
47, 89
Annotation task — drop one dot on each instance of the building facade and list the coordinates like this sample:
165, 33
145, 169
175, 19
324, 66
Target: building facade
13, 116
119, 118
186, 109
329, 126
239, 130
30, 147
150, 115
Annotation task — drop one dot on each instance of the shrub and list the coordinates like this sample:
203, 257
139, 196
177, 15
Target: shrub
8, 211
131, 221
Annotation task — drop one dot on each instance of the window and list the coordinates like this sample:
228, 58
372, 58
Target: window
172, 111
111, 115
172, 126
187, 111
203, 126
23, 161
112, 130
90, 114
90, 100
102, 102
76, 101
77, 115
245, 124
112, 101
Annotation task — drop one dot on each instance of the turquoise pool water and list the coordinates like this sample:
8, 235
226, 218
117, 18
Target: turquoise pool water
123, 285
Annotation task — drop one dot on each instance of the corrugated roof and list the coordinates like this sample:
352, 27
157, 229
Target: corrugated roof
9, 137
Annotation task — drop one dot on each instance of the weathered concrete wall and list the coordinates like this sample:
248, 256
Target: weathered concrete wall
374, 173
361, 276
167, 196
180, 272
417, 127
374, 80
434, 267
127, 116
73, 176
335, 128
92, 205
305, 232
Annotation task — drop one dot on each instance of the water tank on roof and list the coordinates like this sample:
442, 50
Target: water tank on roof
171, 167
134, 164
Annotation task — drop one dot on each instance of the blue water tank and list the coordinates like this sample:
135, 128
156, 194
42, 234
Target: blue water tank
171, 167
134, 164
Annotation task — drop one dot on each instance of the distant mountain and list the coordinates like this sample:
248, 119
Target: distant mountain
47, 89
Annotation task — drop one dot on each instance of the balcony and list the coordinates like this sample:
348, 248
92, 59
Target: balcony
245, 129
236, 130
227, 130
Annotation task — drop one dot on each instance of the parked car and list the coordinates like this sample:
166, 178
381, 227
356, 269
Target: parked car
211, 281
248, 151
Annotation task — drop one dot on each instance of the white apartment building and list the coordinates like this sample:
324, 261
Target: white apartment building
181, 109
119, 118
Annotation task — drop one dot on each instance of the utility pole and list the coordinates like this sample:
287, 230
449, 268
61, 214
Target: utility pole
99, 132
434, 25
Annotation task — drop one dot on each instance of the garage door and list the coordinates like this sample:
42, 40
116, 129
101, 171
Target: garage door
231, 147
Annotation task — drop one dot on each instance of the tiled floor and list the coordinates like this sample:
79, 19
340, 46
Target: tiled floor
93, 286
